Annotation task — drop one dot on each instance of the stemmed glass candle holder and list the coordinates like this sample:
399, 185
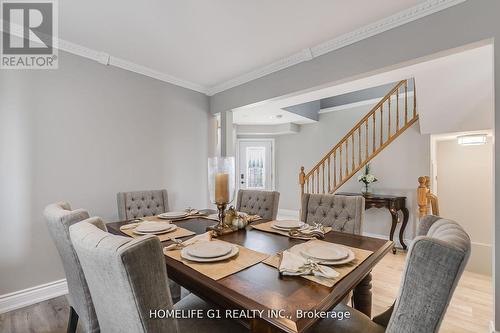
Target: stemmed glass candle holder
221, 185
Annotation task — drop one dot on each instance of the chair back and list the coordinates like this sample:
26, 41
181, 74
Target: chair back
138, 204
436, 260
341, 212
59, 218
127, 279
262, 203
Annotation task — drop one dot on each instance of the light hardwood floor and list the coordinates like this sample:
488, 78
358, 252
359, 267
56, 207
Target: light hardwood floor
471, 308
470, 311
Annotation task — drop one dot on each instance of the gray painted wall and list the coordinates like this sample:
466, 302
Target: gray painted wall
470, 22
471, 169
397, 167
82, 133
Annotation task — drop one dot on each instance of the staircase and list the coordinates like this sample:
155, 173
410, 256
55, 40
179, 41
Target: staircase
390, 117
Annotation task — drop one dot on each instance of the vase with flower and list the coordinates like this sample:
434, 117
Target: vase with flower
367, 179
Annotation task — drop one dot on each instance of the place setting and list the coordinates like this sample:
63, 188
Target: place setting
319, 261
232, 214
164, 230
294, 229
160, 223
212, 257
185, 214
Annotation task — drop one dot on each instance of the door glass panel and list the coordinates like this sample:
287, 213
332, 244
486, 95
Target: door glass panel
256, 160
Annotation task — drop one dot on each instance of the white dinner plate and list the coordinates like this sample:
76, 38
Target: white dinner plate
350, 257
186, 255
304, 227
209, 249
172, 215
153, 226
287, 224
327, 252
158, 232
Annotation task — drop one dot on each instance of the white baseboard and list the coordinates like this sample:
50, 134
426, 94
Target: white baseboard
33, 295
492, 328
396, 238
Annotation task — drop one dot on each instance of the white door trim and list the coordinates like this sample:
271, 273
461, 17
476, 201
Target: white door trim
273, 157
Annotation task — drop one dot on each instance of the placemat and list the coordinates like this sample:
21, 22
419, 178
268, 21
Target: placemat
178, 233
266, 226
343, 270
220, 269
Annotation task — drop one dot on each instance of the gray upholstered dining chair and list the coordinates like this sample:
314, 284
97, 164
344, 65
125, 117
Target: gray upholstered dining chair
262, 203
342, 213
127, 279
138, 204
436, 260
60, 217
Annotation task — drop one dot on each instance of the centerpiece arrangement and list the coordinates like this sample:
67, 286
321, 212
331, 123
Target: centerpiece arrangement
221, 186
367, 179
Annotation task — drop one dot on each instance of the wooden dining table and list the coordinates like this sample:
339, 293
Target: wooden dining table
260, 287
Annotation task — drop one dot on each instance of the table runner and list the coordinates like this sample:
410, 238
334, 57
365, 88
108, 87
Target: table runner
178, 233
343, 270
220, 269
266, 226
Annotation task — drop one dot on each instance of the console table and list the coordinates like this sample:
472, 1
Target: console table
394, 204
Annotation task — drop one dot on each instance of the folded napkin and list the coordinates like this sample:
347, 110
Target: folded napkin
206, 237
310, 231
253, 218
294, 264
130, 225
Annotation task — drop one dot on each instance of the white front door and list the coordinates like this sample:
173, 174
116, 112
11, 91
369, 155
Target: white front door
255, 163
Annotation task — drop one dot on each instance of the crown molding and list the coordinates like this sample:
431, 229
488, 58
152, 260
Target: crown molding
107, 59
408, 15
396, 20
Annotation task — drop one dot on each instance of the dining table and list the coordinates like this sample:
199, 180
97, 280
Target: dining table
261, 287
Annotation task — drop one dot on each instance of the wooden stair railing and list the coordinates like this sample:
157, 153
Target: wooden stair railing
426, 199
390, 117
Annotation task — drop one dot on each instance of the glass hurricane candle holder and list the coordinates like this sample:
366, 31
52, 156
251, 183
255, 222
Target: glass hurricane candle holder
221, 185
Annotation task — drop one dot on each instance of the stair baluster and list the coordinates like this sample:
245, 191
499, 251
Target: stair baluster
346, 166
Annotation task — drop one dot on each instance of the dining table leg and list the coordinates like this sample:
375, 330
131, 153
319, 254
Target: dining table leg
362, 296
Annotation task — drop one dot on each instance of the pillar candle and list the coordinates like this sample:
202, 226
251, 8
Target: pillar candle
222, 188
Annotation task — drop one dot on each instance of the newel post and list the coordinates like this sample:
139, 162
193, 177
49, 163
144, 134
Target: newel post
422, 191
302, 180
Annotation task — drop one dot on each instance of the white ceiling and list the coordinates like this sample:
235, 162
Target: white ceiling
268, 116
210, 42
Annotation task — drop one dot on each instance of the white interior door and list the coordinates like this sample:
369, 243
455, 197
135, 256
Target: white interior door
255, 163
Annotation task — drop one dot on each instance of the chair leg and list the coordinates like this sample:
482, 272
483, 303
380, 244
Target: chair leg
72, 321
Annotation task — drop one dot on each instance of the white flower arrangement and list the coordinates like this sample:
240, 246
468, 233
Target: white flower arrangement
367, 177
